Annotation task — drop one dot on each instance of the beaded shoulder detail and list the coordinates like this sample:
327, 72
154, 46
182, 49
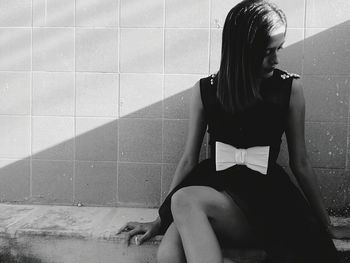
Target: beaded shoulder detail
283, 75
212, 76
287, 75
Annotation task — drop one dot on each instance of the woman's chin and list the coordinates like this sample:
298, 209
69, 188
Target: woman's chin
267, 75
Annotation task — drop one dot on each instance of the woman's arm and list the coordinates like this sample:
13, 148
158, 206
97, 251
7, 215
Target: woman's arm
196, 130
298, 159
197, 127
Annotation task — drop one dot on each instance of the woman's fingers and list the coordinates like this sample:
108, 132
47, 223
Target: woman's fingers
133, 228
132, 233
127, 227
144, 238
122, 228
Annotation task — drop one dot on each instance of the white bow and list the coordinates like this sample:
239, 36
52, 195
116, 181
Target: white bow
255, 158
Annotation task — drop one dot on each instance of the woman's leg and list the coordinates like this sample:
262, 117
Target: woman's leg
170, 249
203, 218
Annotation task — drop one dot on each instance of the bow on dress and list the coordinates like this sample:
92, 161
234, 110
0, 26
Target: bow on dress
255, 158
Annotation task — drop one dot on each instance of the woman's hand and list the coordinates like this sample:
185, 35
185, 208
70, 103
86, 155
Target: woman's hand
339, 232
148, 229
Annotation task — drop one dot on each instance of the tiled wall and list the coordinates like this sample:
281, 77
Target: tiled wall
95, 94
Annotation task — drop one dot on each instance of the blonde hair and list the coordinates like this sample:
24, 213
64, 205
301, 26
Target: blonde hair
244, 40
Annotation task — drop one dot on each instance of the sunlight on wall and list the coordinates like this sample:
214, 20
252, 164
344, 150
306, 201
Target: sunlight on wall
85, 80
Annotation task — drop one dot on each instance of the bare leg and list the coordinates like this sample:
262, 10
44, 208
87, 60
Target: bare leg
203, 216
170, 249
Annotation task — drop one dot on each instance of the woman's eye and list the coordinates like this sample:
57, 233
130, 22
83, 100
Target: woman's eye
267, 52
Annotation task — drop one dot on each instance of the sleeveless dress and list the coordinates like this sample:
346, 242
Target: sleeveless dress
277, 211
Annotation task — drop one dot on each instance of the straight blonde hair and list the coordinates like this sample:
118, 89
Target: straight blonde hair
244, 40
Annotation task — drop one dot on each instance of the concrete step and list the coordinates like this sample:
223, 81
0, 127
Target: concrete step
67, 234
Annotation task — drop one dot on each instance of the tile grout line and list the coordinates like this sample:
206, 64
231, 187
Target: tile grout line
125, 73
119, 99
154, 73
75, 106
31, 113
206, 141
304, 39
163, 98
347, 136
209, 37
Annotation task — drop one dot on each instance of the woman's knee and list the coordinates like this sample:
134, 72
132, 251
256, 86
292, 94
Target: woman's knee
183, 201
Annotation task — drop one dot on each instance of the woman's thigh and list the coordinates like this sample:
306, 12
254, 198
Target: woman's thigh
227, 219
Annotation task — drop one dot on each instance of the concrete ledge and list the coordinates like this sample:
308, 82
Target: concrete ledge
56, 226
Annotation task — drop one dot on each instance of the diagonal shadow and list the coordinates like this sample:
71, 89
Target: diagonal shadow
121, 161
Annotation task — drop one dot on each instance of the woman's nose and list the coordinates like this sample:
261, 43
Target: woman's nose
274, 58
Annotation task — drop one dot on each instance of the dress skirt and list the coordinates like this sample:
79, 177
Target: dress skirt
277, 211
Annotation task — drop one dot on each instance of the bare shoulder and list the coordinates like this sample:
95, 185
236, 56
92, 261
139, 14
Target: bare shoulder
297, 92
297, 86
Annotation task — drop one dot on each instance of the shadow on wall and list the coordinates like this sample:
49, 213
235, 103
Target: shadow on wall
130, 161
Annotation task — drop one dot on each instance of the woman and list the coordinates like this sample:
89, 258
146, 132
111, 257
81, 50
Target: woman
241, 196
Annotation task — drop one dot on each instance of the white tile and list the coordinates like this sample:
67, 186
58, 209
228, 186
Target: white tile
294, 10
134, 14
141, 95
215, 50
186, 51
219, 11
185, 14
53, 49
291, 56
15, 48
175, 133
52, 138
141, 50
14, 93
14, 136
97, 94
96, 50
96, 183
52, 182
175, 84
177, 95
326, 98
53, 13
53, 93
96, 139
15, 182
85, 124
139, 184
326, 14
97, 12
140, 140
327, 51
15, 13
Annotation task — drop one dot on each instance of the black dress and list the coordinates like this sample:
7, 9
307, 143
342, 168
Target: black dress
273, 205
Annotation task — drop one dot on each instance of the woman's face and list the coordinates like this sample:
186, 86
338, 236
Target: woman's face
274, 45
